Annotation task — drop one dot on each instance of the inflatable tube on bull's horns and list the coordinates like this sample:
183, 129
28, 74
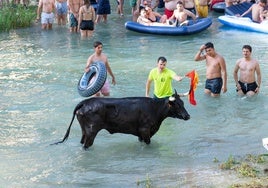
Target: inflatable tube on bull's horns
92, 81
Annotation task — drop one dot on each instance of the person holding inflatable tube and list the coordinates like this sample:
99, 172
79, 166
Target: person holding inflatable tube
99, 56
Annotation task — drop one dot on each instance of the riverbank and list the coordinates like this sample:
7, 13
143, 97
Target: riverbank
14, 16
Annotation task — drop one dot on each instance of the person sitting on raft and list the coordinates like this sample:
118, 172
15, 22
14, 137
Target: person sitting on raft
180, 14
155, 16
144, 19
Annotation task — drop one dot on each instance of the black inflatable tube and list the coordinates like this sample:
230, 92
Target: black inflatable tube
91, 82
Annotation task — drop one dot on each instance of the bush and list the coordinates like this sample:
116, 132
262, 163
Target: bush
16, 16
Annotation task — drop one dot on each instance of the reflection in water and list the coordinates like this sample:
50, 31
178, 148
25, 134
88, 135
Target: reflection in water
39, 72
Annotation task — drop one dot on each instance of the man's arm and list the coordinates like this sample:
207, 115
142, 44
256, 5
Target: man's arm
39, 8
199, 56
235, 75
258, 72
148, 86
224, 75
109, 70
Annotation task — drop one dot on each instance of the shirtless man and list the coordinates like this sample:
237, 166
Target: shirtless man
202, 7
189, 5
246, 83
61, 10
47, 15
180, 15
256, 11
170, 6
74, 7
99, 56
216, 74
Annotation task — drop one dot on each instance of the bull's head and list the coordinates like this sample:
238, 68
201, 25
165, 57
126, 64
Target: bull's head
176, 107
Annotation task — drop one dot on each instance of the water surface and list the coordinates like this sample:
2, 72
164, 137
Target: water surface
39, 71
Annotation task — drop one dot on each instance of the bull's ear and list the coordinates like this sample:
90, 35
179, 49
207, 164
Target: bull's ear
175, 92
171, 98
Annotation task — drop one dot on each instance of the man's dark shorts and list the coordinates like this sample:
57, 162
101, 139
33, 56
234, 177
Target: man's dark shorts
214, 85
248, 86
73, 21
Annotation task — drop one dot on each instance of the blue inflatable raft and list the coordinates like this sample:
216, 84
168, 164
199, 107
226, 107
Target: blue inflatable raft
193, 27
219, 7
242, 23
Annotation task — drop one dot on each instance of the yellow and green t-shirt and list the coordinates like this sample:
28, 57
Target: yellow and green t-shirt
162, 82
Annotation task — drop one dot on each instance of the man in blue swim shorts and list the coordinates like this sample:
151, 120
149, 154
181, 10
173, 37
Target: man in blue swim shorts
74, 6
61, 10
216, 73
246, 83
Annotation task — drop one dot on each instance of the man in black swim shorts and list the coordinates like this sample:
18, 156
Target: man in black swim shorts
216, 73
246, 84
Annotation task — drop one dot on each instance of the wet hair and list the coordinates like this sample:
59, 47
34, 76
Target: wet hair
209, 45
86, 2
97, 43
247, 47
163, 59
263, 1
141, 8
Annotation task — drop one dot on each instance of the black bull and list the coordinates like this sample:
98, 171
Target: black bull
139, 116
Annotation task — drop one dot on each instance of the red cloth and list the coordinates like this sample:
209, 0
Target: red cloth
193, 85
168, 13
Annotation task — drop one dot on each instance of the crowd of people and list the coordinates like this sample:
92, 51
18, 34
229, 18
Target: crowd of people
84, 14
246, 74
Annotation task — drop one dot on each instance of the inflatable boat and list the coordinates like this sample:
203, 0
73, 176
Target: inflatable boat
193, 27
213, 2
219, 7
238, 9
244, 23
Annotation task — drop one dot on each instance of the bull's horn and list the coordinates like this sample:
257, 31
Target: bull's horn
171, 98
184, 94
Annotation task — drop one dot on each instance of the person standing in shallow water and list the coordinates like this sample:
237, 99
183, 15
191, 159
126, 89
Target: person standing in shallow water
246, 82
162, 78
99, 56
86, 19
103, 10
46, 9
74, 7
61, 10
216, 74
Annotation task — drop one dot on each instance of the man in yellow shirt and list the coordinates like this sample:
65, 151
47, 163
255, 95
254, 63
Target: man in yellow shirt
162, 78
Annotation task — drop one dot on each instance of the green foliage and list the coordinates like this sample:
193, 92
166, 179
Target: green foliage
147, 183
246, 170
229, 164
16, 16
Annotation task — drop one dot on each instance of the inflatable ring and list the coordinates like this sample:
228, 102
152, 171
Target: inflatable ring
91, 82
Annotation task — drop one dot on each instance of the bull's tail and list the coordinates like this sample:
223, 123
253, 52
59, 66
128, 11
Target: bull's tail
69, 128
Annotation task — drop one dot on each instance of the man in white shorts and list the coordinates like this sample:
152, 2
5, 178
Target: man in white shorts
47, 16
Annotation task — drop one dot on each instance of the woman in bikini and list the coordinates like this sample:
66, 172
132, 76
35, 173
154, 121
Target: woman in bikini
86, 19
155, 16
